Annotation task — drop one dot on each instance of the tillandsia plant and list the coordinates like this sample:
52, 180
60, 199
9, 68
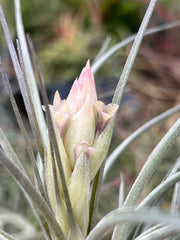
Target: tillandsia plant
71, 148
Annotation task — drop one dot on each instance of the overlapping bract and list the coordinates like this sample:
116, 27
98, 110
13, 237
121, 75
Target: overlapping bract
83, 134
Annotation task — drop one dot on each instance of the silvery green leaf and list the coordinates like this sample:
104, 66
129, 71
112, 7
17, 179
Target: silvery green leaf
114, 155
129, 215
29, 72
6, 236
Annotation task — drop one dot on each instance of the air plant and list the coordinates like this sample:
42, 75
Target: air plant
71, 148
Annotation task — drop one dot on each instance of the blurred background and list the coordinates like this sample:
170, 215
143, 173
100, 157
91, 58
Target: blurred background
65, 34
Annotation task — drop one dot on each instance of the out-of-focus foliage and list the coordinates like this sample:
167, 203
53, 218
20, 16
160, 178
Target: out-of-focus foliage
117, 15
67, 33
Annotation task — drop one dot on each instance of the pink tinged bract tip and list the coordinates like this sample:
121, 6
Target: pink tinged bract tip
57, 99
86, 82
82, 90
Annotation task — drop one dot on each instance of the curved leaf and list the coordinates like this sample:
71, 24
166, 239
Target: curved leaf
101, 59
113, 156
6, 236
131, 216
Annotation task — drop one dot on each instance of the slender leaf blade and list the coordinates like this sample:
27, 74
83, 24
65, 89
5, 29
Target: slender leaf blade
29, 73
113, 156
104, 57
129, 215
6, 236
35, 197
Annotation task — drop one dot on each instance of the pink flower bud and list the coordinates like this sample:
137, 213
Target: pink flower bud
83, 130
